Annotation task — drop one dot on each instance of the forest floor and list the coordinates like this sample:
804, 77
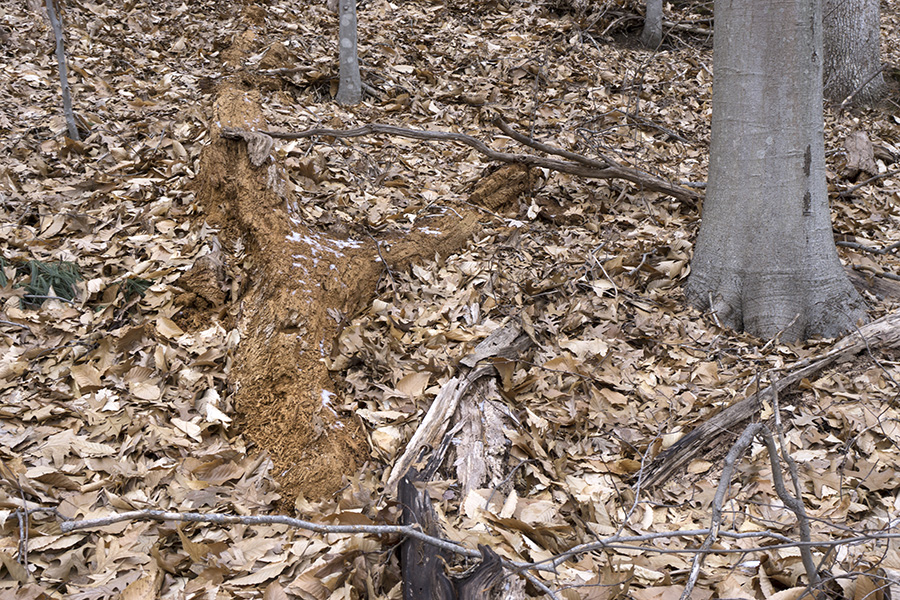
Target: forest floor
182, 329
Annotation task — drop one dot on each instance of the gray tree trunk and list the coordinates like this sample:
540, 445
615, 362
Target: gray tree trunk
765, 259
853, 51
350, 86
56, 24
651, 36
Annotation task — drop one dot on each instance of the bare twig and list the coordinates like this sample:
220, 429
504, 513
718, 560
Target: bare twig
870, 271
647, 123
160, 515
618, 541
11, 323
792, 503
862, 86
736, 451
795, 503
850, 190
42, 297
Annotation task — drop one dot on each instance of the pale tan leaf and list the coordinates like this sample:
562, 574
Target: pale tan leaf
167, 328
414, 384
145, 390
793, 593
191, 429
196, 550
86, 376
15, 570
266, 573
145, 588
274, 592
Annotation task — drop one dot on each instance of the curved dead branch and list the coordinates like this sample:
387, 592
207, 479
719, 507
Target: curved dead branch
575, 165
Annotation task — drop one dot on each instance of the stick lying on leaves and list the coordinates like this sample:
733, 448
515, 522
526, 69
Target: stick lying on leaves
575, 165
619, 541
161, 515
881, 333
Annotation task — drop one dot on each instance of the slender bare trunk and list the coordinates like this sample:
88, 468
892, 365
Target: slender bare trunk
651, 36
56, 24
350, 87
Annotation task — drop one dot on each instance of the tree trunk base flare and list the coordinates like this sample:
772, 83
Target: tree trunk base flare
765, 261
768, 304
719, 430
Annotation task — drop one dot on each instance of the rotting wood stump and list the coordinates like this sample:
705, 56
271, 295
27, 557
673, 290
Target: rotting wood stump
293, 275
283, 392
422, 564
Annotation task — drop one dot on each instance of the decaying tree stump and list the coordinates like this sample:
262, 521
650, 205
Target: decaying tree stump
422, 564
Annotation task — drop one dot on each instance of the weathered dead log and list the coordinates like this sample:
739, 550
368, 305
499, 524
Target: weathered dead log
505, 342
882, 333
422, 565
478, 584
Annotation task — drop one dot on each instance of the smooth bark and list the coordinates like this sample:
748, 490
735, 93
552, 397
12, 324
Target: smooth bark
651, 36
56, 24
853, 51
765, 259
350, 87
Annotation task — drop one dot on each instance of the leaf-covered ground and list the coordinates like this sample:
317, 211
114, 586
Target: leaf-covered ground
116, 394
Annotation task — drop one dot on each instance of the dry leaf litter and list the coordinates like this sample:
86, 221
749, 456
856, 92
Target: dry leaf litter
121, 396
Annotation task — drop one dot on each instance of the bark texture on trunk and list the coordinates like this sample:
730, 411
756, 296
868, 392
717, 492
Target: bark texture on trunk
765, 259
853, 51
350, 86
651, 36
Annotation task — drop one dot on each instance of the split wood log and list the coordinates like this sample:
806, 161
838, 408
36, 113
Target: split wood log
575, 165
422, 565
504, 342
881, 333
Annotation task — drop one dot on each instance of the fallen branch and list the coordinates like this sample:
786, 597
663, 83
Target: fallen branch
794, 504
412, 531
576, 165
881, 333
631, 543
849, 191
626, 542
695, 27
881, 274
506, 341
864, 248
